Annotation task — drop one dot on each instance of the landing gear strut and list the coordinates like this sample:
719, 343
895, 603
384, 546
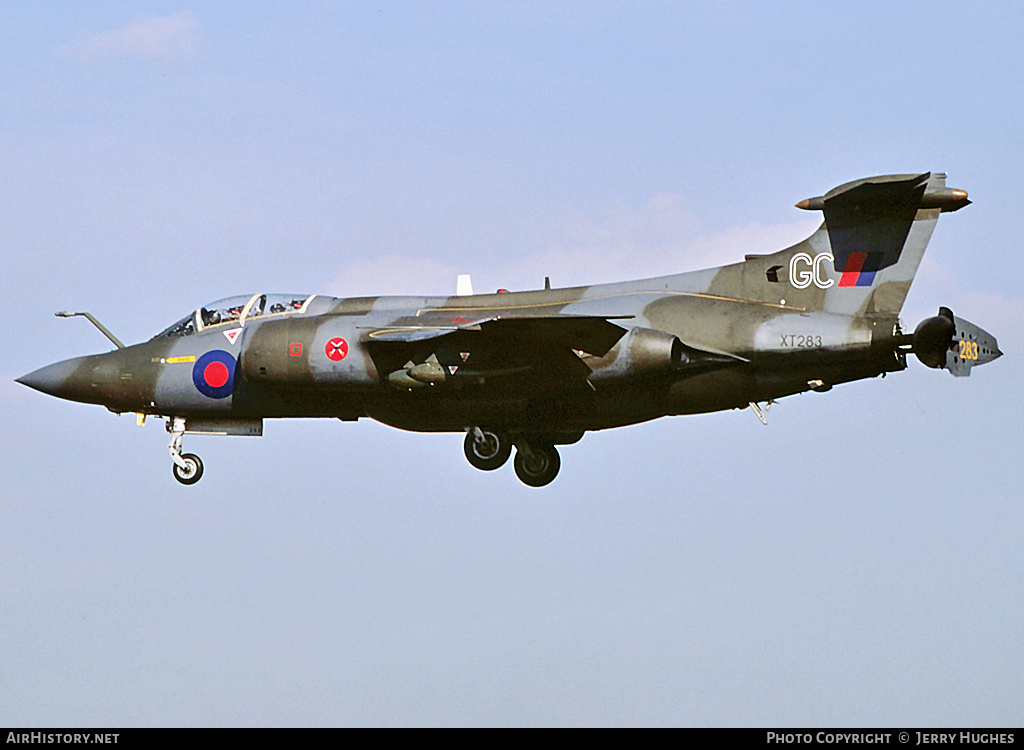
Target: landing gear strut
187, 468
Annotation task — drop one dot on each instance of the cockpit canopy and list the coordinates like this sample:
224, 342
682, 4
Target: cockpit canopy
238, 310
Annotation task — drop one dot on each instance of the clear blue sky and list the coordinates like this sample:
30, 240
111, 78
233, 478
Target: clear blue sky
857, 562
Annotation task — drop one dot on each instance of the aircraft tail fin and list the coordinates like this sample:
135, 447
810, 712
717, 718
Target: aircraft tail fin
863, 258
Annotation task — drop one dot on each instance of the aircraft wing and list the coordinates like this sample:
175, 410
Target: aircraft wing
593, 334
542, 350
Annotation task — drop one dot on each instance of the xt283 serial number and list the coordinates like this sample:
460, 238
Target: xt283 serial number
796, 341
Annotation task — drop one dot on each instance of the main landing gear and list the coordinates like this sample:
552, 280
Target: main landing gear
188, 467
536, 462
536, 465
487, 451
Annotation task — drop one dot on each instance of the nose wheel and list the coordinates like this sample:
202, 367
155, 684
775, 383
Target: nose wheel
187, 467
190, 470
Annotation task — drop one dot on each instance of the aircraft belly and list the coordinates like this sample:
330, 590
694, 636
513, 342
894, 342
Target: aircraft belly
258, 400
712, 391
542, 415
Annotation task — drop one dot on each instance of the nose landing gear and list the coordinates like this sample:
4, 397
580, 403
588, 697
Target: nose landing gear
188, 467
190, 470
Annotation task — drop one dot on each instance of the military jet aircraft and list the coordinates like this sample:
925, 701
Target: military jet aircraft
532, 370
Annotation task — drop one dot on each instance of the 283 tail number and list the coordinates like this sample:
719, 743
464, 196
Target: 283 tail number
968, 349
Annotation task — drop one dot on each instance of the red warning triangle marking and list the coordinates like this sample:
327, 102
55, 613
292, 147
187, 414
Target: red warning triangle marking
232, 336
452, 369
464, 355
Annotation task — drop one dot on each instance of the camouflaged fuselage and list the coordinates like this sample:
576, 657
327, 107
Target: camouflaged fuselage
540, 368
777, 339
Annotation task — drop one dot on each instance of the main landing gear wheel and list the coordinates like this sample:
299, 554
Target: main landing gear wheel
191, 472
486, 451
537, 465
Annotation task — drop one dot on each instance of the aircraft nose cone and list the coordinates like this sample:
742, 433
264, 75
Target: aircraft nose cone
54, 379
75, 379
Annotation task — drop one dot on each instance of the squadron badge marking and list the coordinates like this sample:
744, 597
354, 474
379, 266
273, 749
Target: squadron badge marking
336, 349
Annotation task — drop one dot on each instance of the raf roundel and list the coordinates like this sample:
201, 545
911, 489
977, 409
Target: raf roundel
336, 349
214, 374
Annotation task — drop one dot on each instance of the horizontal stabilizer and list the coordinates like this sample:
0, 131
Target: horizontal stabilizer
888, 194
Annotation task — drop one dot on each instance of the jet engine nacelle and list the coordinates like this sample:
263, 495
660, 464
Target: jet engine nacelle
306, 351
642, 351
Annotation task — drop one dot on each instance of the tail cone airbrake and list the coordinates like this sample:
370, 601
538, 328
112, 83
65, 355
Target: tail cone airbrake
948, 342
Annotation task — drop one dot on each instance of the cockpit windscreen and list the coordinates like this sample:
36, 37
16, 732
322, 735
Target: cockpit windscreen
237, 310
